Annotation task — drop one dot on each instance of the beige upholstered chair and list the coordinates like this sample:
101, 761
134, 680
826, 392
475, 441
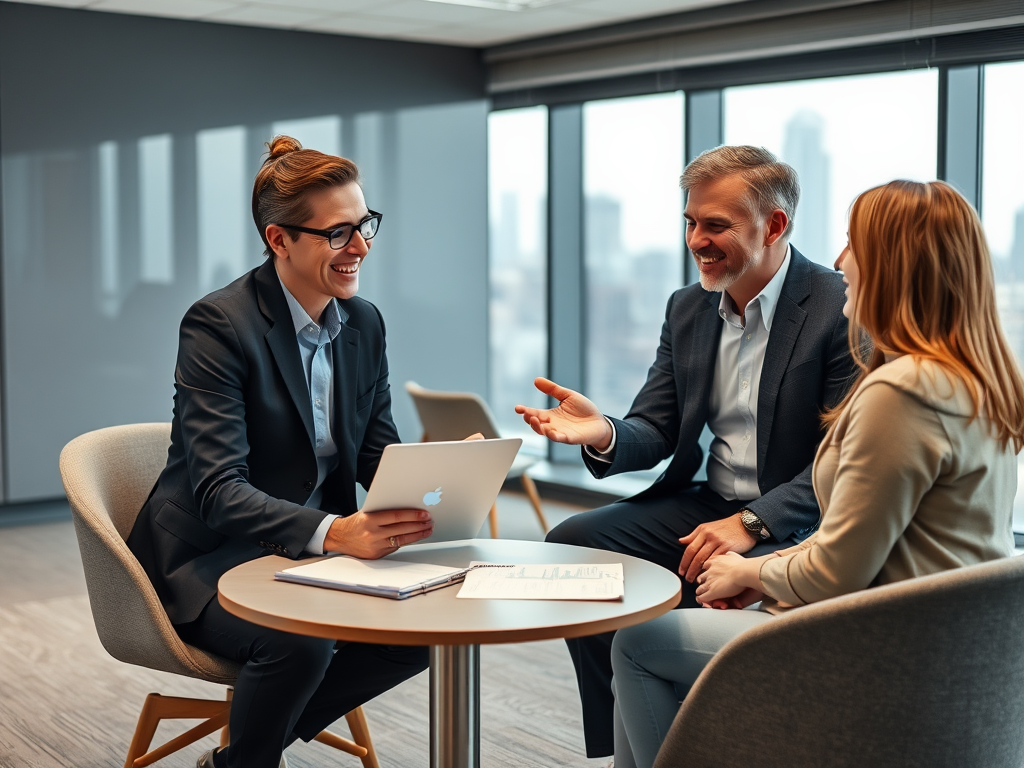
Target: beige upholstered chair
107, 476
926, 672
457, 415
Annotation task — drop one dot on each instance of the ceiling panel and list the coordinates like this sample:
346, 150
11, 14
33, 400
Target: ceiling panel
182, 9
363, 26
424, 20
267, 15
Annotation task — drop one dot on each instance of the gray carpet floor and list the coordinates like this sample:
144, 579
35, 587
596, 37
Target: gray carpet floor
65, 702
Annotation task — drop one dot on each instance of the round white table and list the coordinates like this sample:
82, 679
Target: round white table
453, 628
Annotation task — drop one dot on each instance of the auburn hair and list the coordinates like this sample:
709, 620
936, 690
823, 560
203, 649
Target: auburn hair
927, 289
280, 194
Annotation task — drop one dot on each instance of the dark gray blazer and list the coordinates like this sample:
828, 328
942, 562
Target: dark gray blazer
241, 462
807, 367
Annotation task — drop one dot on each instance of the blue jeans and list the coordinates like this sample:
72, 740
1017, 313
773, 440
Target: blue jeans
656, 663
650, 529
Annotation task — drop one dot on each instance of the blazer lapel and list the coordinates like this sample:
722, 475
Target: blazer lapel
786, 325
700, 368
283, 345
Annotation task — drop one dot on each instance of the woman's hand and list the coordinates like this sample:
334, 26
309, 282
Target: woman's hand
727, 576
742, 600
370, 535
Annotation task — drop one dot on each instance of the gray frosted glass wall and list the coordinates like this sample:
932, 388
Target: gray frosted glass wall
128, 148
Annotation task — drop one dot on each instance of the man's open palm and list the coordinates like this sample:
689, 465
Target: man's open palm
575, 420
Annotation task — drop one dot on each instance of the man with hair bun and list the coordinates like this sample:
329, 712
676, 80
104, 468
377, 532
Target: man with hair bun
754, 353
281, 405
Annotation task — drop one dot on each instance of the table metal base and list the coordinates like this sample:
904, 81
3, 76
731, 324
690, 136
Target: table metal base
455, 706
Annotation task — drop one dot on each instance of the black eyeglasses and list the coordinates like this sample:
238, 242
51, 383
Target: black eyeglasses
339, 238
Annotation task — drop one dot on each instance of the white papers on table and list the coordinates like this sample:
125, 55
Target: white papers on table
568, 581
383, 578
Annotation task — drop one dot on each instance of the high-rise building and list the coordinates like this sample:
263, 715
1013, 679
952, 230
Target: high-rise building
603, 234
803, 148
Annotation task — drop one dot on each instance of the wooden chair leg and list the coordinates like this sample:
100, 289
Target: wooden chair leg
145, 729
225, 732
156, 708
361, 734
531, 491
361, 747
339, 743
492, 518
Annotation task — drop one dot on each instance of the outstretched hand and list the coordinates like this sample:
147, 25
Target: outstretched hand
575, 420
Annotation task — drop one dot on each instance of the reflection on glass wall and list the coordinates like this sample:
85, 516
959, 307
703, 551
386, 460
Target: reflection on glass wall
517, 192
224, 203
156, 210
1002, 207
320, 133
843, 135
632, 159
162, 218
109, 226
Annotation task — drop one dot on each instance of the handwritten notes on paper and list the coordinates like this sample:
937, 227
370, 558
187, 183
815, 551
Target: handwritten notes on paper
569, 581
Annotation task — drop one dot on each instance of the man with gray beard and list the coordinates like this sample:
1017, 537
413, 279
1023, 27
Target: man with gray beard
754, 354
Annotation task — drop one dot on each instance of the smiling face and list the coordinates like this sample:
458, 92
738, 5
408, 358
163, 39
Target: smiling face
311, 270
728, 239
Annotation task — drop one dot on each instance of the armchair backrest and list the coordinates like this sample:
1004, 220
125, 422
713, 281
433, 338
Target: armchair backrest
108, 475
451, 415
928, 672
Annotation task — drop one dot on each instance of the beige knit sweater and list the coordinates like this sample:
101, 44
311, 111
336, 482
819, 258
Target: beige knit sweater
908, 484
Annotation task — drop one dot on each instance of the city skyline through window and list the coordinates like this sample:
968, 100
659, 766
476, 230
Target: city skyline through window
1002, 210
517, 160
633, 238
843, 135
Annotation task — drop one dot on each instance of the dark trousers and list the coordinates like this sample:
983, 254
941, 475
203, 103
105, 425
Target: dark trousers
649, 529
292, 686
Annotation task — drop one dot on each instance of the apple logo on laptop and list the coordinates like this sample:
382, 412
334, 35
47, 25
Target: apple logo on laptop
432, 498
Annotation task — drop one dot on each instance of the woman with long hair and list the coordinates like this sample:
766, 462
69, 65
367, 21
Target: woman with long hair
916, 474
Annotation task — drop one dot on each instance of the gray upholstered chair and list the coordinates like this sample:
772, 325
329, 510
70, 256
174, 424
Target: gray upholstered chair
456, 416
107, 476
926, 672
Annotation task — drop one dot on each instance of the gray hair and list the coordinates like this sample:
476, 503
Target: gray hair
773, 185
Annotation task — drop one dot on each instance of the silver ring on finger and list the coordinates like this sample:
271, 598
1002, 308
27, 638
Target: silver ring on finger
394, 542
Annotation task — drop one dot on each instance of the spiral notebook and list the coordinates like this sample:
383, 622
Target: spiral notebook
384, 578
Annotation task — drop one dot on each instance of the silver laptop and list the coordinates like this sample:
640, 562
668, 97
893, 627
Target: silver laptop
457, 482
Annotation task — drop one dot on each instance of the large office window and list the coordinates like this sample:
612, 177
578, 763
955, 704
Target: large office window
517, 191
1002, 206
843, 135
632, 158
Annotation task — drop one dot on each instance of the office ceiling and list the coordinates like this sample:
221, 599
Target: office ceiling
473, 23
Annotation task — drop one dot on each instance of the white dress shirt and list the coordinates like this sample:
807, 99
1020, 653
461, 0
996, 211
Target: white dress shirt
732, 410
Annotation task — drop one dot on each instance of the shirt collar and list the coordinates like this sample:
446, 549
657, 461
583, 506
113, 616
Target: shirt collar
301, 320
767, 299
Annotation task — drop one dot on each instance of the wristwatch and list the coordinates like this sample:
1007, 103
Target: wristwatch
754, 525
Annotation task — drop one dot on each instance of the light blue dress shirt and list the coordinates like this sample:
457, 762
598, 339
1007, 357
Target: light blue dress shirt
314, 342
732, 410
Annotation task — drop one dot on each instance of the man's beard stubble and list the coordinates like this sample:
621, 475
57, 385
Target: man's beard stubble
711, 282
